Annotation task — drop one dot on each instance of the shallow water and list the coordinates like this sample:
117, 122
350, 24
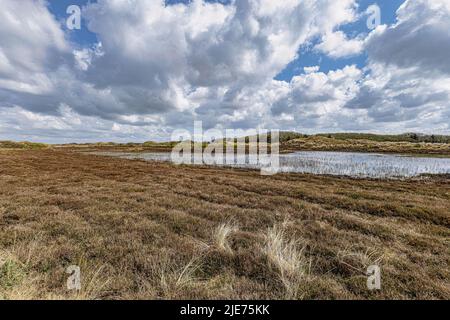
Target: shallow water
368, 165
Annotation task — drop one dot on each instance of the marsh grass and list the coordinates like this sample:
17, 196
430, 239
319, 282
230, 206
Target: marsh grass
221, 234
94, 281
141, 230
288, 257
168, 277
359, 260
177, 279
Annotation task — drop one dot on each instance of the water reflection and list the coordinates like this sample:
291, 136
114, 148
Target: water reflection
333, 163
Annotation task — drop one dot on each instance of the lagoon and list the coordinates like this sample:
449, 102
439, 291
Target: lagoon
353, 164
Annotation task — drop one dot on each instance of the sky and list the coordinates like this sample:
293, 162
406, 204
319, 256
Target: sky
139, 70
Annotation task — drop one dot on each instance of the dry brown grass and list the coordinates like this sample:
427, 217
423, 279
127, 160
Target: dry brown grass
221, 234
289, 259
146, 230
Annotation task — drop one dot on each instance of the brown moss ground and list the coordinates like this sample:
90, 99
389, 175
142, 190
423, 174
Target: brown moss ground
144, 230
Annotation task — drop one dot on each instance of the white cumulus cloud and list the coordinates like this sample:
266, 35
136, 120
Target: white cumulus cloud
158, 67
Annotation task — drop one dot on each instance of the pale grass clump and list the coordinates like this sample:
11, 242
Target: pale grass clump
221, 234
359, 260
172, 280
289, 259
94, 281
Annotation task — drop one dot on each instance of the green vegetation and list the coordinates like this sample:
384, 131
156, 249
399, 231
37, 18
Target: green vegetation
22, 145
11, 273
322, 143
408, 143
284, 136
406, 137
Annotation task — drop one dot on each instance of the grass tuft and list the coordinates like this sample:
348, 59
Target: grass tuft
94, 281
221, 234
289, 259
169, 279
358, 260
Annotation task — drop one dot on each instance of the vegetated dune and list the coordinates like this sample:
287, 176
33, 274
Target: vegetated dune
321, 143
413, 144
405, 137
22, 145
149, 230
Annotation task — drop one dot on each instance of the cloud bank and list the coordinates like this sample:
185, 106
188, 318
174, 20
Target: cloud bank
159, 67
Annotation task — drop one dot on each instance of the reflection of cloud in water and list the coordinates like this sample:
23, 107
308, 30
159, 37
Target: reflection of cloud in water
334, 163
